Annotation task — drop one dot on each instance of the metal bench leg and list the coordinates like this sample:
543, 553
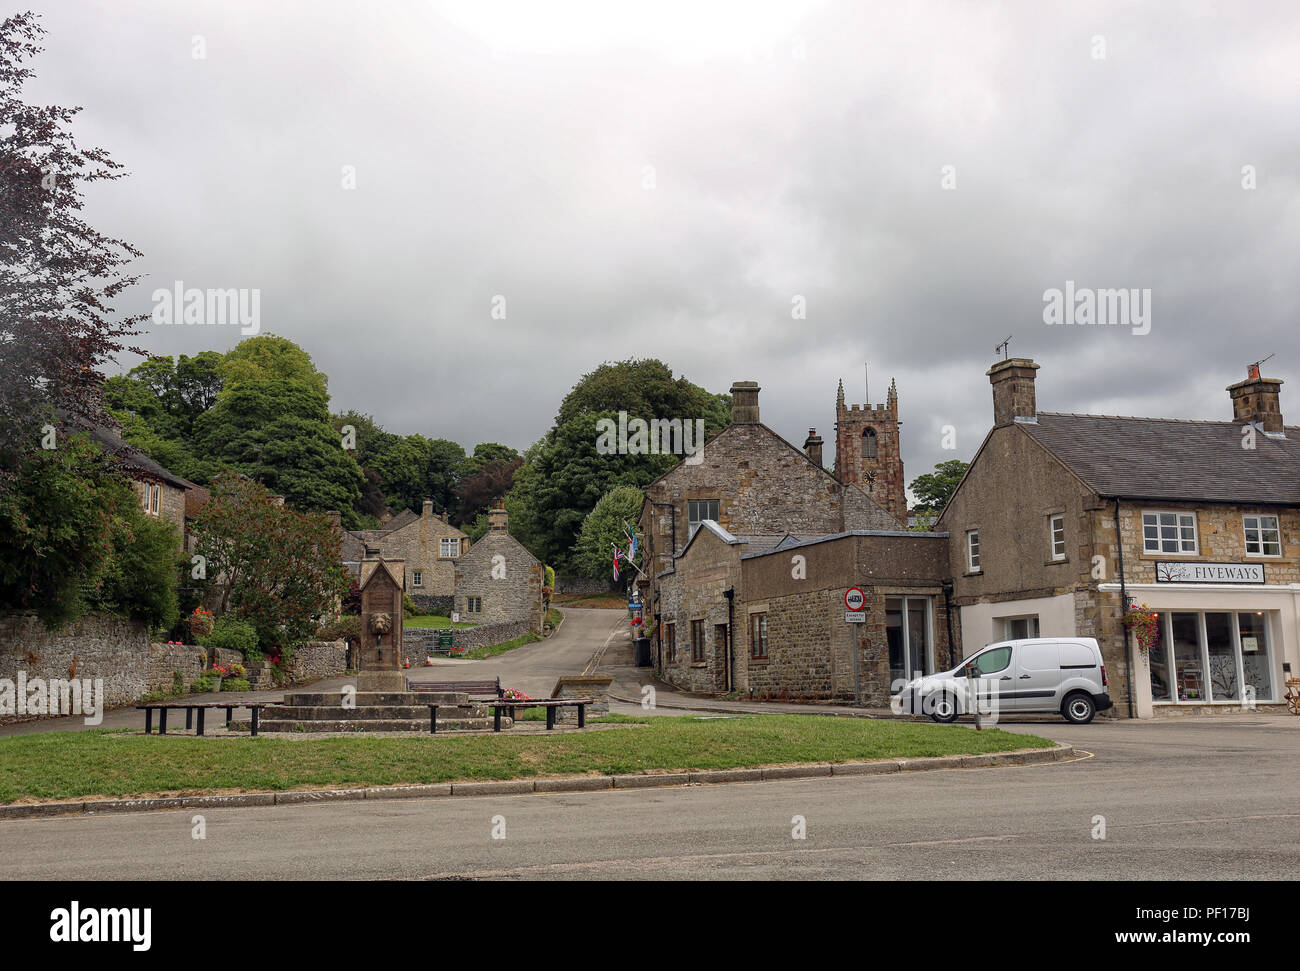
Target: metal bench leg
230, 716
496, 718
433, 719
162, 721
201, 712
255, 709
582, 716
148, 720
550, 717
189, 718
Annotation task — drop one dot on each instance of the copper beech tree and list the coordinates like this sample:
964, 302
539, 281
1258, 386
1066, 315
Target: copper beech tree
277, 568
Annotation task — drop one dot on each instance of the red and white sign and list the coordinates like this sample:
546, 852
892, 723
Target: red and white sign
855, 599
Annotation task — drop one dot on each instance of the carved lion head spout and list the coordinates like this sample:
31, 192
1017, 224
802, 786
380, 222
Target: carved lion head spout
381, 623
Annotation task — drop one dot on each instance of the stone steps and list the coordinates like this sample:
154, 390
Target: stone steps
371, 712
371, 699
408, 725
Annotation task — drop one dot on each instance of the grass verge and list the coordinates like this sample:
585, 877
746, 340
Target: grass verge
70, 765
436, 621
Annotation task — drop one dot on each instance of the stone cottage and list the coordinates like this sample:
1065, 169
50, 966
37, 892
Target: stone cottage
428, 545
498, 580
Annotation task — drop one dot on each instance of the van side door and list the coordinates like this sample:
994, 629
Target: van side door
1038, 676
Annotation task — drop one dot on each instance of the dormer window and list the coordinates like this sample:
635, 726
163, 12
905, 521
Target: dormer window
449, 547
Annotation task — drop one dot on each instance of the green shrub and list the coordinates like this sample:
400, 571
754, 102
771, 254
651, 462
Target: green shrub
235, 635
409, 608
178, 683
550, 578
235, 684
201, 685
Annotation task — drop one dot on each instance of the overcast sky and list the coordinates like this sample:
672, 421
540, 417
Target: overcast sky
665, 179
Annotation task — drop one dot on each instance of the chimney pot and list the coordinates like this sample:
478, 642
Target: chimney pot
428, 508
1257, 400
812, 447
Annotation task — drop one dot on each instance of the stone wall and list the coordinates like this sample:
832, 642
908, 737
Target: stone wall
417, 641
441, 605
418, 543
319, 659
565, 584
694, 594
583, 686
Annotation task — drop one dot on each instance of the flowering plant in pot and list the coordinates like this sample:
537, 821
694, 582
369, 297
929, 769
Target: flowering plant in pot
1144, 623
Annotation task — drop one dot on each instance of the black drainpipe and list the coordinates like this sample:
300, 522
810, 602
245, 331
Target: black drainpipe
1123, 608
730, 594
947, 610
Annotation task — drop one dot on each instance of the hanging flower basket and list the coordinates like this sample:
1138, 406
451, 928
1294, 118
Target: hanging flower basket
201, 622
1144, 623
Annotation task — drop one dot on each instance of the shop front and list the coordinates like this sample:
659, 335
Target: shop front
1217, 645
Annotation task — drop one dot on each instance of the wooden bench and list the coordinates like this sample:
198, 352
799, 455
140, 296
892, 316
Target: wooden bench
550, 704
201, 707
475, 689
1292, 696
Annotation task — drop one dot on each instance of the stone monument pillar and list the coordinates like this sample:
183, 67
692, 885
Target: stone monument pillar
382, 584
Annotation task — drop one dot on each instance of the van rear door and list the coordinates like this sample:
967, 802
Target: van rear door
1038, 676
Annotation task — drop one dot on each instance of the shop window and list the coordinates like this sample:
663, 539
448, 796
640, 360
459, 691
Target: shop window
1263, 538
909, 634
1169, 532
1206, 656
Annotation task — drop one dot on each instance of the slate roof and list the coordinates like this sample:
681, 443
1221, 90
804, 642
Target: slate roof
1172, 459
133, 461
403, 518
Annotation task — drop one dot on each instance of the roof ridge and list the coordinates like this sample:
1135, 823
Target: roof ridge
1185, 421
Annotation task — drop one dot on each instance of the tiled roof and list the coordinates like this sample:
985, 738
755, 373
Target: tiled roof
1171, 459
403, 518
133, 461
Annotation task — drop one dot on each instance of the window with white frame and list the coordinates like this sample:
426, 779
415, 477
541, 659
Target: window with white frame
1056, 529
417, 578
1263, 537
449, 547
973, 550
1169, 532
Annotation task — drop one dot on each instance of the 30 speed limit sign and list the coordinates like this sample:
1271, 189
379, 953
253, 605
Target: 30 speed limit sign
855, 599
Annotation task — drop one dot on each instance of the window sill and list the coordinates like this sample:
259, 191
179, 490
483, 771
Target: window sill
1059, 562
759, 662
699, 664
973, 573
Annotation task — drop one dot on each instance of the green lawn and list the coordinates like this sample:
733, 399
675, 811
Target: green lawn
431, 620
65, 765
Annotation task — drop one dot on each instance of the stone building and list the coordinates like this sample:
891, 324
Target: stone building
1062, 518
162, 494
498, 580
428, 545
749, 553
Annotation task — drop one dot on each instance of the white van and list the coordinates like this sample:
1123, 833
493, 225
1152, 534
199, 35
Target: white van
1030, 676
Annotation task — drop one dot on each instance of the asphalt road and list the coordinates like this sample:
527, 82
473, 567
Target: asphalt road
1208, 798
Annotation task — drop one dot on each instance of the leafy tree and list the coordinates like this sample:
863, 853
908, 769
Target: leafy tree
644, 389
279, 432
563, 478
73, 537
487, 453
603, 528
934, 489
491, 481
59, 277
267, 357
277, 568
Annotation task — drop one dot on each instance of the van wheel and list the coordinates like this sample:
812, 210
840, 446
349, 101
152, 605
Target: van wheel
944, 708
1078, 709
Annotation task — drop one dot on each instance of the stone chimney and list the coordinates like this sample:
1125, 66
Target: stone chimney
1257, 400
335, 517
1013, 391
428, 508
744, 403
498, 521
812, 447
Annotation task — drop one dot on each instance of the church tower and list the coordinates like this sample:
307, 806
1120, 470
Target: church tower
868, 450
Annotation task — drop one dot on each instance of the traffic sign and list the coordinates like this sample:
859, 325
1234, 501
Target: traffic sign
855, 599
854, 617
